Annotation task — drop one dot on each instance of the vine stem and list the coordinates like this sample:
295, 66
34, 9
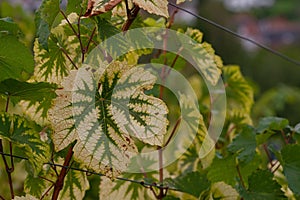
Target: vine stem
240, 176
8, 169
60, 180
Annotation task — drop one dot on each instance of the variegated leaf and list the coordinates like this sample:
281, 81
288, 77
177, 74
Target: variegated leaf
103, 116
157, 7
21, 132
96, 7
203, 55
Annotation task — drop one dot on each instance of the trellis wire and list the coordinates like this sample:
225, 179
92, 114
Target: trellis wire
262, 46
143, 183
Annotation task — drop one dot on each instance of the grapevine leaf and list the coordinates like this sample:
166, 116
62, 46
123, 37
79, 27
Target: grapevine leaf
53, 65
20, 131
119, 189
106, 29
244, 144
45, 18
239, 93
291, 166
186, 183
42, 93
202, 54
35, 185
262, 186
26, 197
8, 27
96, 7
272, 123
216, 170
158, 7
121, 110
221, 190
15, 59
75, 184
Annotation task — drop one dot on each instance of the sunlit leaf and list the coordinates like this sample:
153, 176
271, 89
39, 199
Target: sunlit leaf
53, 65
120, 111
203, 55
158, 7
119, 189
21, 132
223, 191
239, 93
26, 197
96, 7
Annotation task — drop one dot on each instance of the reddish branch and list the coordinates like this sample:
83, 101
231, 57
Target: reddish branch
60, 180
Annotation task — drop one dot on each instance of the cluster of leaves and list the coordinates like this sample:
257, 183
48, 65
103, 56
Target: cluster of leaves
47, 117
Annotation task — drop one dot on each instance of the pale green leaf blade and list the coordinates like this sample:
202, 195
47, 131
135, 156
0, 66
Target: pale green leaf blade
158, 7
16, 61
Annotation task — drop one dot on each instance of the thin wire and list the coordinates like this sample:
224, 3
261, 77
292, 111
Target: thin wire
285, 57
143, 183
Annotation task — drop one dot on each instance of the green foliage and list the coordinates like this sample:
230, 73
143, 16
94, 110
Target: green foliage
103, 113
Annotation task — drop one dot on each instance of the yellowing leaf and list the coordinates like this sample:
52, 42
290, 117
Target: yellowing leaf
96, 7
27, 197
157, 7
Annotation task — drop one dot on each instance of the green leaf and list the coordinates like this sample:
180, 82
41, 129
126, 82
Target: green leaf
272, 123
21, 132
15, 59
226, 169
35, 185
291, 166
244, 144
75, 184
239, 93
9, 27
262, 186
42, 93
223, 170
193, 183
106, 29
45, 18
